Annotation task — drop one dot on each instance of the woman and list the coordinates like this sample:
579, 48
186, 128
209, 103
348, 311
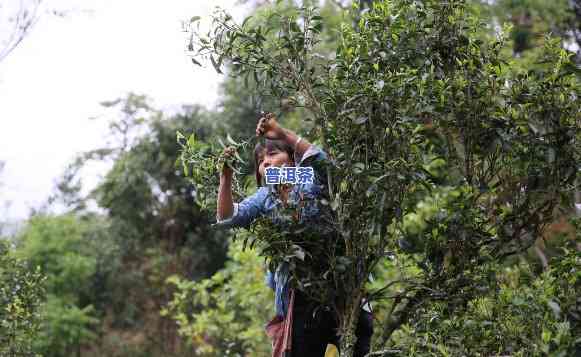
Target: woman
313, 327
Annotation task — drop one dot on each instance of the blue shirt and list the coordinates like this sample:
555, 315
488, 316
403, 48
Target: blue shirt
265, 201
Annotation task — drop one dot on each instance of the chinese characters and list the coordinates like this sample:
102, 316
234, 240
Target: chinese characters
288, 174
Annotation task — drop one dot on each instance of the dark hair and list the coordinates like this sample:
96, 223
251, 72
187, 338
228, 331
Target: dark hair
269, 144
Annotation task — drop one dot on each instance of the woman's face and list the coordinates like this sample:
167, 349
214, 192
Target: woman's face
274, 157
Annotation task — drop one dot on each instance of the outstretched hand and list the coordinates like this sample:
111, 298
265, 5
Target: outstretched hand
227, 154
269, 128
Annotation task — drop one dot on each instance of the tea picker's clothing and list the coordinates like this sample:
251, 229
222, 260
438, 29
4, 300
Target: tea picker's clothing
315, 327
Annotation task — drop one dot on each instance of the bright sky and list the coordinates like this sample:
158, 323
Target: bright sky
52, 83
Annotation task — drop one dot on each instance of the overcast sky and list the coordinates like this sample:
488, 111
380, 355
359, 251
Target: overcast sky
52, 83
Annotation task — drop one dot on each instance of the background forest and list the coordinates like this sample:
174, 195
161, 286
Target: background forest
134, 268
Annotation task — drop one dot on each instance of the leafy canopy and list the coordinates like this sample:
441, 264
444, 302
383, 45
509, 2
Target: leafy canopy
444, 153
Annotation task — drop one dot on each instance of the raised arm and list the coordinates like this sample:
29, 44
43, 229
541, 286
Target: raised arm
268, 127
232, 214
225, 203
306, 154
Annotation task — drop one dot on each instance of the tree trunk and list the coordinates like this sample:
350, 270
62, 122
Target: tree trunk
349, 325
400, 315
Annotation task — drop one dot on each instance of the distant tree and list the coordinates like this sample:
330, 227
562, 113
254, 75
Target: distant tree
531, 18
62, 248
150, 215
145, 193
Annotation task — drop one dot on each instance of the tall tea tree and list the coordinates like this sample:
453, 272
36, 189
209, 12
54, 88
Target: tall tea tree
459, 160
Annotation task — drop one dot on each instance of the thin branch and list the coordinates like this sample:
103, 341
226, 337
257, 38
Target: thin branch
24, 21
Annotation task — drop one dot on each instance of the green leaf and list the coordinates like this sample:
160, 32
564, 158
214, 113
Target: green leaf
179, 136
186, 169
294, 27
358, 167
334, 205
245, 21
299, 252
195, 18
317, 28
360, 120
230, 140
191, 140
555, 307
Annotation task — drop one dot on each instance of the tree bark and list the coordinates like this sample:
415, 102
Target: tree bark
400, 315
349, 325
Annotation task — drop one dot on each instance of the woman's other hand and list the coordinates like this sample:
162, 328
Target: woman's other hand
227, 154
269, 128
225, 205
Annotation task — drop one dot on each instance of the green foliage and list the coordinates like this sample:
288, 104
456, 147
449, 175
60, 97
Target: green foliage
65, 327
148, 200
153, 227
317, 263
61, 247
451, 160
532, 18
278, 44
433, 92
225, 314
522, 315
242, 98
202, 163
459, 157
56, 244
22, 291
287, 34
